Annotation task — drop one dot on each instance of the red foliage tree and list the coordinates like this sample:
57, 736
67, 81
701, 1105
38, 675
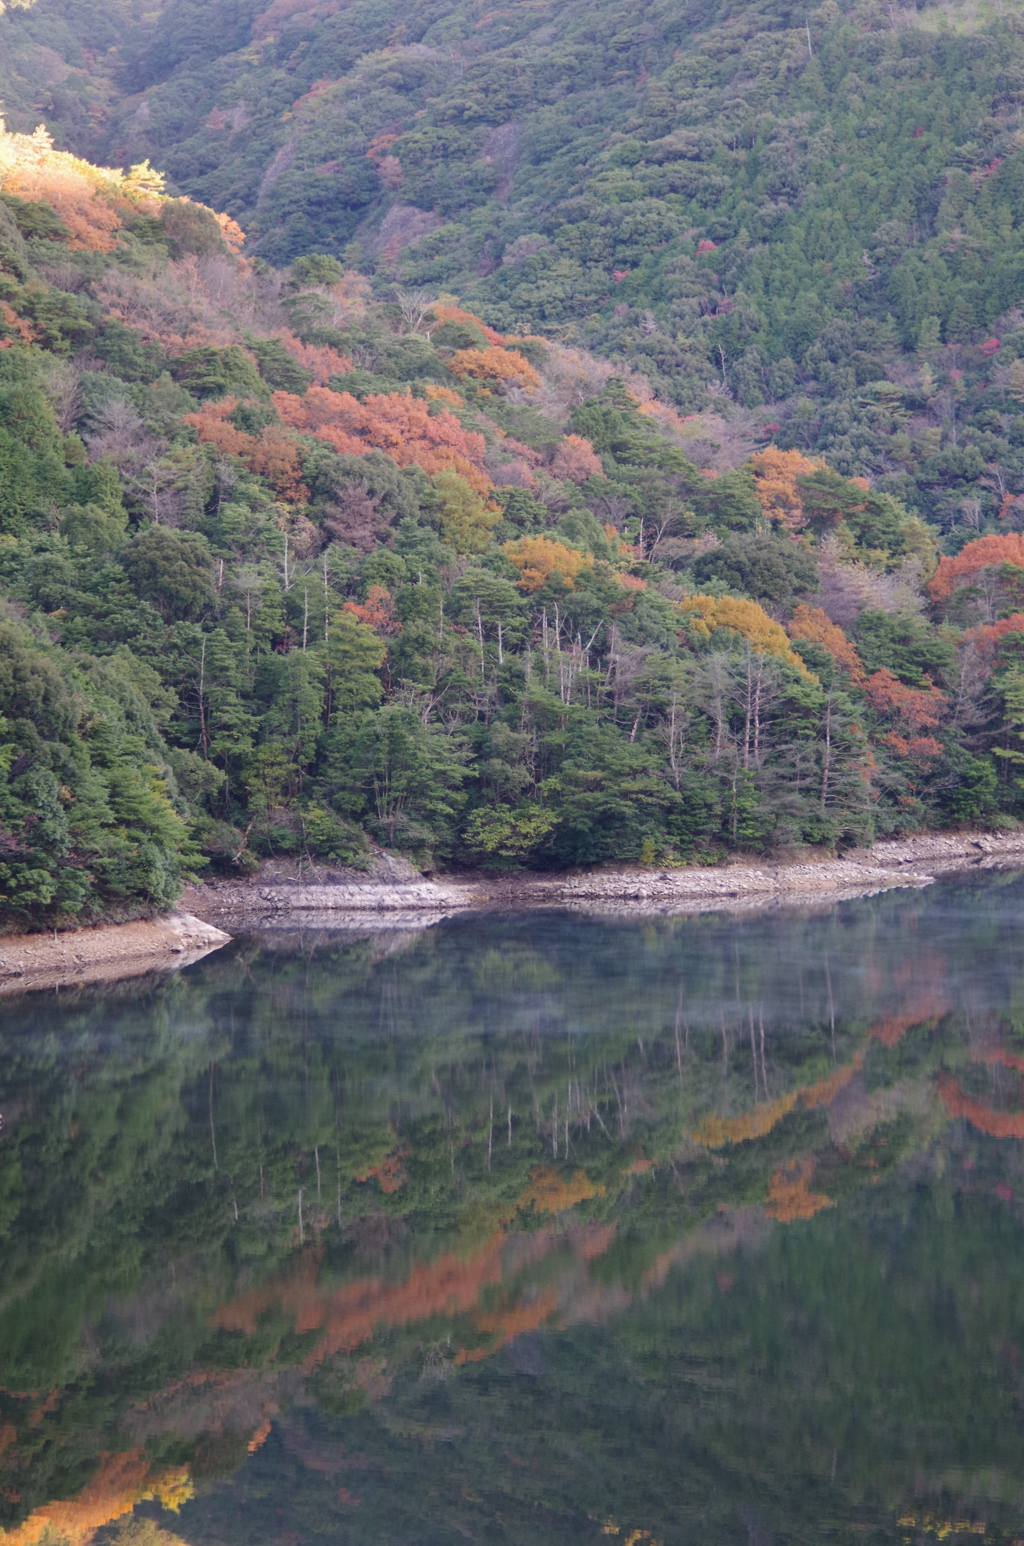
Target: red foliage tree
397, 423
576, 460
984, 552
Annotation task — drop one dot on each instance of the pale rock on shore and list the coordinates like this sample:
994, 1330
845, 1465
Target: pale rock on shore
105, 953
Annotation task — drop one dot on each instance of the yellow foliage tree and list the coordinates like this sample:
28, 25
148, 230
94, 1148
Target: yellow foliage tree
775, 473
467, 520
539, 558
748, 619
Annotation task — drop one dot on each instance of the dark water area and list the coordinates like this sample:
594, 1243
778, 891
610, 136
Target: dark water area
526, 1228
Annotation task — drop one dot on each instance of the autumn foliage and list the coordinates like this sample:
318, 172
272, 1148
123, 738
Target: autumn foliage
987, 637
813, 624
980, 554
576, 460
322, 360
396, 423
548, 1193
540, 559
272, 454
747, 619
378, 613
775, 474
348, 1316
495, 364
446, 313
914, 708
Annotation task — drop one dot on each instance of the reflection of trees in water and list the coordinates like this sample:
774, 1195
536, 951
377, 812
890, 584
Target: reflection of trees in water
509, 1126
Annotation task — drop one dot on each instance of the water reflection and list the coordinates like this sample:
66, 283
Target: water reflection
525, 1229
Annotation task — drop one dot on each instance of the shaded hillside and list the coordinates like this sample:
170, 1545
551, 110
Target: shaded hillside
816, 217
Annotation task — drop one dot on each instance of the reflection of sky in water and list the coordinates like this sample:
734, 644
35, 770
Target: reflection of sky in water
525, 1228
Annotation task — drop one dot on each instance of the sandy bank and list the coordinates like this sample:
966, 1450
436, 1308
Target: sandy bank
104, 954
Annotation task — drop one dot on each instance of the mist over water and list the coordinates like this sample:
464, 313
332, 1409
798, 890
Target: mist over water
522, 1228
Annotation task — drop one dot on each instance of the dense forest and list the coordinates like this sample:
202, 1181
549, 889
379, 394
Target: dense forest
574, 438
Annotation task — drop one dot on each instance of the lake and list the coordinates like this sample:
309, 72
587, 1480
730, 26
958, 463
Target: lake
536, 1227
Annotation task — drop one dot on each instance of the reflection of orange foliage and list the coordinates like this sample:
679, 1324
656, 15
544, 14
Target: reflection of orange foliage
349, 1316
716, 1131
397, 423
495, 364
825, 1091
260, 1437
789, 1196
510, 1323
984, 551
548, 1193
997, 1124
538, 559
890, 1029
593, 1240
813, 624
121, 1482
389, 1172
638, 1167
999, 1055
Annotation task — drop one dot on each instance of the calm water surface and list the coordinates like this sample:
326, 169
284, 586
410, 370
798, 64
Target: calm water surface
541, 1228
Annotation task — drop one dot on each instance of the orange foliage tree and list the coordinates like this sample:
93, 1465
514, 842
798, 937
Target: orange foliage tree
443, 312
987, 638
378, 613
322, 360
495, 364
746, 618
814, 624
775, 474
983, 553
272, 454
915, 708
538, 559
576, 460
397, 423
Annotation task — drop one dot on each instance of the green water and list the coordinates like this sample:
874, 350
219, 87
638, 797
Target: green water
535, 1228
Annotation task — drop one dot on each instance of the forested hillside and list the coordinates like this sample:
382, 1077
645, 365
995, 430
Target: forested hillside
717, 550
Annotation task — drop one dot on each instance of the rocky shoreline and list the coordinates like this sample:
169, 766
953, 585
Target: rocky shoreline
281, 893
392, 895
104, 954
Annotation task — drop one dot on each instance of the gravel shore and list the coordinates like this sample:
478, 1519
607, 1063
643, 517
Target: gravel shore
281, 892
392, 894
